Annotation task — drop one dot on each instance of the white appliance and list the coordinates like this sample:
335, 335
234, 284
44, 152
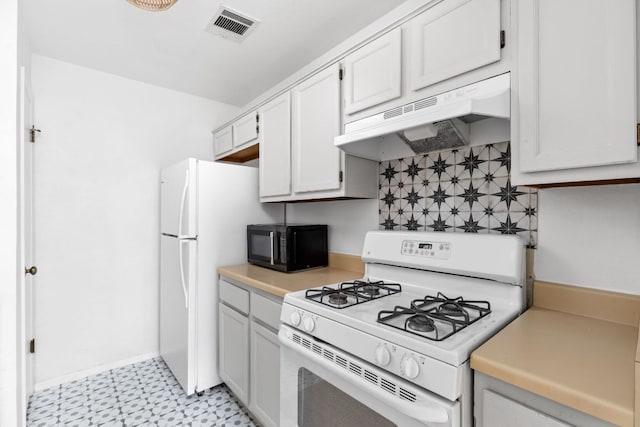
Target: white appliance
475, 114
205, 209
394, 348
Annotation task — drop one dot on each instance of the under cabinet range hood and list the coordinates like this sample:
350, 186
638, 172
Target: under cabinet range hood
470, 115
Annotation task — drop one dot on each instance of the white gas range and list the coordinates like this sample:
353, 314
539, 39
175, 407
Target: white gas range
393, 349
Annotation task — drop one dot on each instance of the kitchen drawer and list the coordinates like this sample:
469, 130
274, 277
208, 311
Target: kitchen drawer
266, 310
234, 296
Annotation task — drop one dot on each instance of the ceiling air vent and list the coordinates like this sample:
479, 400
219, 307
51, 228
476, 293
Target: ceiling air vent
231, 24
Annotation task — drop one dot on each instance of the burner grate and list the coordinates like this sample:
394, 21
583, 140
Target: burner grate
347, 294
435, 318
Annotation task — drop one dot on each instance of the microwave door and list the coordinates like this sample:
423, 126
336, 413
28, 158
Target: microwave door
263, 247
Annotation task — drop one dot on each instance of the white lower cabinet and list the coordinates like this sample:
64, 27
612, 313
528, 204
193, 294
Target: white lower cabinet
234, 351
249, 348
265, 375
499, 404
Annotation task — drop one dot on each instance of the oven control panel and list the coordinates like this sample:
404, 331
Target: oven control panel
438, 250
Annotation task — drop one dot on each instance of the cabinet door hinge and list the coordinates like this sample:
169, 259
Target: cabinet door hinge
503, 38
638, 133
33, 131
340, 176
341, 74
32, 345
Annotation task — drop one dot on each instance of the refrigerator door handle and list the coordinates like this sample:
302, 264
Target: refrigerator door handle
271, 235
184, 198
184, 284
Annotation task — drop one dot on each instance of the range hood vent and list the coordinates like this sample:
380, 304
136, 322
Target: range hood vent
231, 24
471, 115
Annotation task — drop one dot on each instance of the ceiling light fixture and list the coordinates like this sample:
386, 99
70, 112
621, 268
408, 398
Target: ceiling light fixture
153, 5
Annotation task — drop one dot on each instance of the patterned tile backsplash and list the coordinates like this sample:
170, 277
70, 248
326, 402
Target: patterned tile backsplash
464, 190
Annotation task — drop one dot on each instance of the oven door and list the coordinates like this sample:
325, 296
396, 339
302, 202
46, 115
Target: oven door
321, 385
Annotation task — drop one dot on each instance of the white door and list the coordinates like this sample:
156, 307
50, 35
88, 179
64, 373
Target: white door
452, 38
25, 294
245, 129
234, 351
315, 123
177, 308
265, 375
275, 147
577, 83
178, 198
223, 141
372, 74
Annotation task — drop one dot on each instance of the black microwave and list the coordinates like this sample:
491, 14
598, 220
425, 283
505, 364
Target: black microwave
287, 247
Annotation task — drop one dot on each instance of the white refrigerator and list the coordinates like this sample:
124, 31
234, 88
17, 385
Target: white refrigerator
205, 209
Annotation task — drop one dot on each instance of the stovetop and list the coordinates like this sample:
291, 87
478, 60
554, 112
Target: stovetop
351, 293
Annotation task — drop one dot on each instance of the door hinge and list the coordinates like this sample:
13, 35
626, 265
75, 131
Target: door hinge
638, 133
33, 131
32, 345
341, 74
257, 128
503, 39
340, 176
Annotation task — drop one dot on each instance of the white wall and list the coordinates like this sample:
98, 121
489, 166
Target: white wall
8, 210
590, 236
104, 139
348, 221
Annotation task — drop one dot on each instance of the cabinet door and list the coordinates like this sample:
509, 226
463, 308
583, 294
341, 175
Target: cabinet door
499, 411
234, 351
452, 38
245, 129
372, 73
222, 141
315, 123
275, 147
265, 375
576, 91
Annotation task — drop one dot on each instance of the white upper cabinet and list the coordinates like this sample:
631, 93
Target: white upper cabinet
372, 74
315, 123
576, 94
275, 147
452, 38
223, 141
245, 130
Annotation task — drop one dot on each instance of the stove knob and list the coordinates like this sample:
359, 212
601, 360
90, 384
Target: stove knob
409, 367
309, 324
383, 357
295, 318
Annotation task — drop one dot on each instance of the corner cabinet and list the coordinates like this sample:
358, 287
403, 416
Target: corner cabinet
250, 349
314, 168
575, 96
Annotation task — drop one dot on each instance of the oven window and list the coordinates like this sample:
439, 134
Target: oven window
261, 245
322, 404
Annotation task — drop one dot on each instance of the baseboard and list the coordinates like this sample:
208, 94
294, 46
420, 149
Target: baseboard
92, 371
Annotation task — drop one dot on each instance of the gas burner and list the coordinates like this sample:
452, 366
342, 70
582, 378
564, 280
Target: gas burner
370, 290
420, 323
338, 298
347, 294
451, 308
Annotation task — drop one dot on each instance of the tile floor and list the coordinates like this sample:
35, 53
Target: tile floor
142, 394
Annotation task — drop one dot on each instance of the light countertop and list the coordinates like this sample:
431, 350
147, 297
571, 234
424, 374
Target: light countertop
585, 363
279, 284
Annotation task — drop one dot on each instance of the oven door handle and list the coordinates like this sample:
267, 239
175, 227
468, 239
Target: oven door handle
424, 411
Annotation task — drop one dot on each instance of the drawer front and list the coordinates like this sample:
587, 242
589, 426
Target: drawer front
266, 310
234, 296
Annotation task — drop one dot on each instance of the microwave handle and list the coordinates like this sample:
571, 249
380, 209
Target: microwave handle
271, 237
295, 248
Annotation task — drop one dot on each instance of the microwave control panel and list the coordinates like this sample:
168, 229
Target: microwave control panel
438, 250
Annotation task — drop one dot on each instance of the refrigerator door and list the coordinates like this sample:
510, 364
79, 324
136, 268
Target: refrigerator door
178, 199
178, 308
